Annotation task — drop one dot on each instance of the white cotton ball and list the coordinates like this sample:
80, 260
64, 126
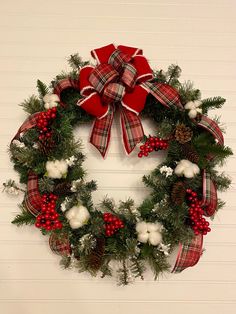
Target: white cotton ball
56, 169
179, 169
48, 98
155, 238
77, 216
195, 168
152, 226
75, 224
143, 237
62, 166
82, 214
46, 105
141, 227
71, 213
189, 105
192, 113
197, 103
188, 173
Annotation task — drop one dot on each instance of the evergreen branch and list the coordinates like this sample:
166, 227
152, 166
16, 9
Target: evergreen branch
42, 89
24, 218
32, 105
212, 103
75, 61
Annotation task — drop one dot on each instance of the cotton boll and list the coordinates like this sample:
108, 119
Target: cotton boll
62, 166
75, 224
141, 227
186, 168
77, 216
189, 105
188, 173
192, 106
179, 169
71, 213
152, 227
48, 98
83, 214
192, 113
155, 238
143, 237
56, 169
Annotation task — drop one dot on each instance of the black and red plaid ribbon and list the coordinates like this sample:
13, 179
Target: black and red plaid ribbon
33, 200
60, 244
189, 254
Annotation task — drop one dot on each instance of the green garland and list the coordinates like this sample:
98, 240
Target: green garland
92, 250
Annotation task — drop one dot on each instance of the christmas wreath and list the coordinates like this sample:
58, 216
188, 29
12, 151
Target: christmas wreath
125, 238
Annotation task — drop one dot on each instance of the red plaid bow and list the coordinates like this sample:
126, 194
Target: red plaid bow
121, 76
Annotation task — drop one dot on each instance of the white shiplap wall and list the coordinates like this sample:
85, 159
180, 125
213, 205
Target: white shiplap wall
36, 37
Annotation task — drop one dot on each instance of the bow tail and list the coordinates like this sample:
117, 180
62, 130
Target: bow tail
132, 130
189, 254
101, 132
209, 200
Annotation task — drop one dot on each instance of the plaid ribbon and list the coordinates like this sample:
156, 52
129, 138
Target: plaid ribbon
33, 199
29, 123
101, 132
60, 244
209, 200
131, 128
164, 93
63, 85
189, 254
212, 127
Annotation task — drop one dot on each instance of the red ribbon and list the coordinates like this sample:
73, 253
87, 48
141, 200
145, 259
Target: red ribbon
121, 76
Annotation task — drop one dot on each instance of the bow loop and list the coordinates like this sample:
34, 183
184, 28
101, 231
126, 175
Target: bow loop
144, 72
118, 59
129, 75
84, 84
102, 55
102, 75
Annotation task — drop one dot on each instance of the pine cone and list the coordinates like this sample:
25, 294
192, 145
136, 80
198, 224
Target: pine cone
178, 193
62, 188
190, 153
46, 146
96, 255
183, 133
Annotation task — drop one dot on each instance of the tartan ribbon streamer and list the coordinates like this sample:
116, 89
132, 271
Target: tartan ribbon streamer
209, 200
212, 127
29, 123
33, 198
189, 254
60, 244
121, 76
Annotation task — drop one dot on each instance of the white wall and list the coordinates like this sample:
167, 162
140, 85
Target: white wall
36, 37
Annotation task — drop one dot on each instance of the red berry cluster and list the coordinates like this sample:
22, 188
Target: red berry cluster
198, 223
48, 218
44, 122
151, 144
112, 224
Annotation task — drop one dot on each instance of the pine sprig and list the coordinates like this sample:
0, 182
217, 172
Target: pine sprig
24, 218
212, 103
32, 105
42, 89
